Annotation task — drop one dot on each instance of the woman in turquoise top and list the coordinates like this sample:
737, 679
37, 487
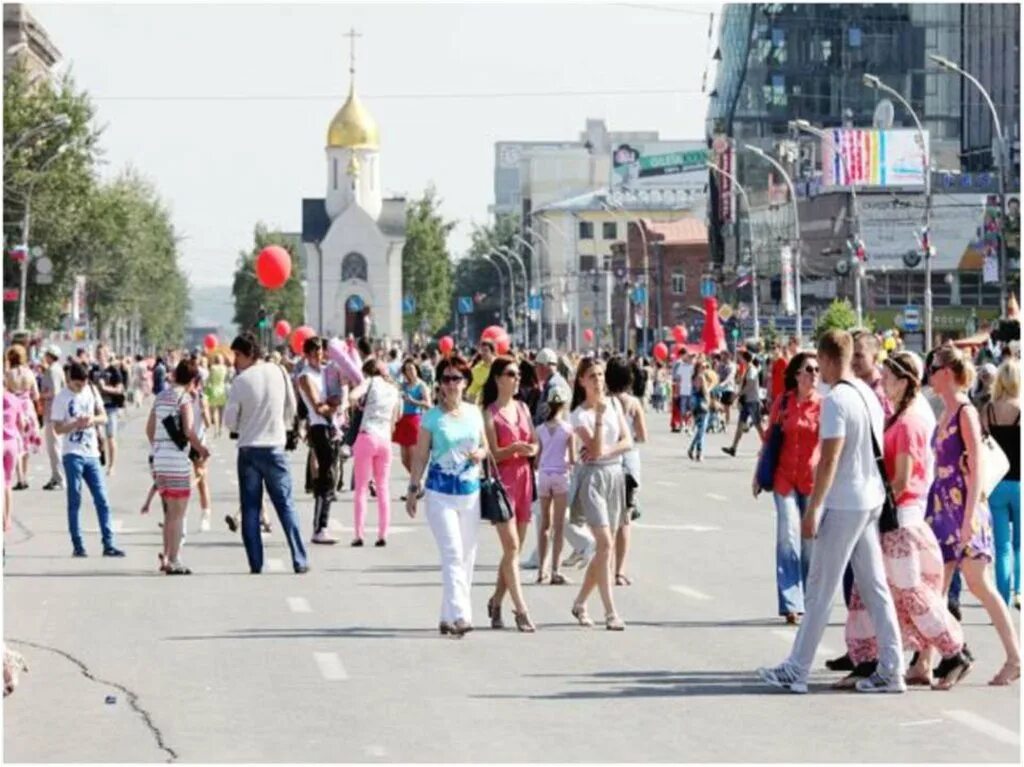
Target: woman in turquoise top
451, 446
415, 400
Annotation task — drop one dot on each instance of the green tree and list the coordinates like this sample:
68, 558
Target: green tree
426, 264
287, 303
840, 315
475, 277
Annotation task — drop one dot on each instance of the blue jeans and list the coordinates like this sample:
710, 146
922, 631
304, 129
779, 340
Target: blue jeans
1005, 507
267, 465
792, 552
77, 468
700, 420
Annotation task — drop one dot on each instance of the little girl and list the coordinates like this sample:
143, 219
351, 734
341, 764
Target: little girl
557, 455
660, 391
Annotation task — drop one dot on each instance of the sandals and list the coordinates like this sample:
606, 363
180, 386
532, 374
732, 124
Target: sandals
557, 579
919, 680
177, 568
543, 578
614, 623
1010, 672
494, 613
623, 580
523, 622
579, 612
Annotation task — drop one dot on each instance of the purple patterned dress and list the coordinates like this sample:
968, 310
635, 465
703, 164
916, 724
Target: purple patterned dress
948, 494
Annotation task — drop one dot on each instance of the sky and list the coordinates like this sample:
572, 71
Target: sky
225, 108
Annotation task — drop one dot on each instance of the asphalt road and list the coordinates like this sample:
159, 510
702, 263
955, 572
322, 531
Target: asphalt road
345, 664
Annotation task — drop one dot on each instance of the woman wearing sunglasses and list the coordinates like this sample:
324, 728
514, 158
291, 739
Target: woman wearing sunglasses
957, 513
512, 441
798, 411
910, 554
451, 445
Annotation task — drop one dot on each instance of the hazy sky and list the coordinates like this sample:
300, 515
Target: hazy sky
226, 107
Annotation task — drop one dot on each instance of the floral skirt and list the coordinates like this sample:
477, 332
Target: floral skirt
914, 571
31, 437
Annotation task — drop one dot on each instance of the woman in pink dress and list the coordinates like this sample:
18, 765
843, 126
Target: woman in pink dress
21, 382
513, 443
12, 449
911, 554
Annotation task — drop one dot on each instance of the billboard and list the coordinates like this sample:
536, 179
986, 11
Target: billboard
723, 154
659, 164
872, 158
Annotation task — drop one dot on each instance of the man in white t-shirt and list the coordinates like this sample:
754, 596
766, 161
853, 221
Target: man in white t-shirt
682, 384
76, 412
847, 483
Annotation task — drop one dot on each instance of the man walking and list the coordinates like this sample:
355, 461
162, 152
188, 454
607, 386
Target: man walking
76, 412
106, 375
52, 385
548, 377
750, 402
260, 407
848, 484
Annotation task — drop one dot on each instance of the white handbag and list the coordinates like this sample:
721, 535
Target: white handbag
994, 465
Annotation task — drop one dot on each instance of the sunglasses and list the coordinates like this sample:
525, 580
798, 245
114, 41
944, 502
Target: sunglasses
451, 379
511, 374
933, 369
811, 370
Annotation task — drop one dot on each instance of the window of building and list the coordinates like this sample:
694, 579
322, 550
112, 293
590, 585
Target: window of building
586, 230
678, 283
587, 263
609, 230
353, 267
970, 288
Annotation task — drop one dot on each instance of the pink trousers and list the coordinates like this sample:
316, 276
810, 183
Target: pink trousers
372, 455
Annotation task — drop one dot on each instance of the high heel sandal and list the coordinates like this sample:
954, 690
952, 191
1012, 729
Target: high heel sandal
494, 613
579, 612
1009, 673
614, 623
523, 622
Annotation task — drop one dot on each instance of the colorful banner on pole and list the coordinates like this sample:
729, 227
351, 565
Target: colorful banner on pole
721, 148
788, 293
873, 158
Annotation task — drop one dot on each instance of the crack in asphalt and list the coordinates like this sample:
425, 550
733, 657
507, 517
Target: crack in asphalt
132, 697
28, 534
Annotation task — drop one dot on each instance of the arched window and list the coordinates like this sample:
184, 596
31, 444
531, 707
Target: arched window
353, 267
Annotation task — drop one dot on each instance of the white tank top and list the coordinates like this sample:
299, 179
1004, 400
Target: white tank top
316, 380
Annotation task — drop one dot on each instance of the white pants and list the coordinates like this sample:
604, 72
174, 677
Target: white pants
53, 450
848, 536
454, 520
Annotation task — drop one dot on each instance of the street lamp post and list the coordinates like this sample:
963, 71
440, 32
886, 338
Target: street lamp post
512, 287
874, 82
530, 284
646, 270
551, 313
514, 257
501, 284
946, 64
569, 251
796, 227
854, 222
750, 240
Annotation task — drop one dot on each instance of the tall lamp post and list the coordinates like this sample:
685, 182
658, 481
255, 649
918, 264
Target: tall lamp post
512, 286
796, 227
874, 82
950, 66
569, 251
854, 222
514, 257
530, 283
551, 314
750, 240
646, 269
501, 284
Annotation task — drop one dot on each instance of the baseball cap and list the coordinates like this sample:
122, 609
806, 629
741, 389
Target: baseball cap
547, 356
558, 394
53, 350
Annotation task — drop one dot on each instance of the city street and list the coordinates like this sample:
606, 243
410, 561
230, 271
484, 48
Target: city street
345, 664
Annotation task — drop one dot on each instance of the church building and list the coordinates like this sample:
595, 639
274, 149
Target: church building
353, 237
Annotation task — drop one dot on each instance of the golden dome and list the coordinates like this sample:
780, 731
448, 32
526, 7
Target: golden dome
353, 127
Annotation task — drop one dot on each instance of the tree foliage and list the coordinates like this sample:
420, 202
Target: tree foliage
474, 276
840, 315
426, 265
287, 303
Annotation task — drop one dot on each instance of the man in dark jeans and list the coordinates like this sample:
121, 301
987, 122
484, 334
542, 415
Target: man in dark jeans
260, 407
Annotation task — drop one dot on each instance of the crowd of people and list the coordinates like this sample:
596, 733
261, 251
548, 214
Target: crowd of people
853, 435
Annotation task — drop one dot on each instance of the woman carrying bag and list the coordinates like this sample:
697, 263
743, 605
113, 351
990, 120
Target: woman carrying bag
786, 466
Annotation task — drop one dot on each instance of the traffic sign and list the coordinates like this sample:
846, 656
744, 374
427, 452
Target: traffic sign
408, 304
465, 304
707, 287
11, 294
536, 302
639, 295
911, 319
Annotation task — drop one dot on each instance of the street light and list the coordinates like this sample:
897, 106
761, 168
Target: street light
569, 251
750, 240
796, 227
528, 286
551, 313
950, 66
874, 82
517, 259
501, 284
603, 201
854, 223
512, 286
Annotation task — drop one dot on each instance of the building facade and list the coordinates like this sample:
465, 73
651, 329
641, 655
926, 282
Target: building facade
26, 42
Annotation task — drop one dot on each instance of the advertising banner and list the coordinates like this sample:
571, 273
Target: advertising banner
788, 292
872, 158
658, 164
723, 154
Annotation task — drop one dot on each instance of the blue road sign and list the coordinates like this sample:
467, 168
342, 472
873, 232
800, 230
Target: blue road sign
536, 302
408, 305
707, 287
355, 304
465, 304
639, 295
911, 319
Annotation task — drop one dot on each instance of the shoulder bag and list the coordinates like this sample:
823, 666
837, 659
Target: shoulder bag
994, 463
495, 506
769, 460
889, 520
355, 419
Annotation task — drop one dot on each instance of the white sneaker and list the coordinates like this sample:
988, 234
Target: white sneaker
878, 683
204, 523
323, 536
573, 559
784, 677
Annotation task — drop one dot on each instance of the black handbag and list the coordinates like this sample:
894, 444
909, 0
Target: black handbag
890, 518
355, 419
769, 460
495, 506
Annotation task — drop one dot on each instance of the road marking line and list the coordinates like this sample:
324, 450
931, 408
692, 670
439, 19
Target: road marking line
275, 565
335, 524
921, 722
789, 636
686, 591
330, 665
684, 528
716, 497
984, 726
299, 605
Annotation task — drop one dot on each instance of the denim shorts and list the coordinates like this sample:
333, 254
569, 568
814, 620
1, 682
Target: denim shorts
750, 413
111, 426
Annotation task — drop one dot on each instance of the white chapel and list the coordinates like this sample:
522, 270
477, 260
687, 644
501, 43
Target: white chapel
353, 237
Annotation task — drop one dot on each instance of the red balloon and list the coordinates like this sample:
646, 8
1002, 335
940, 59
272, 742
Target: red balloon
502, 343
445, 345
282, 328
498, 336
300, 336
273, 267
588, 335
210, 342
660, 351
679, 333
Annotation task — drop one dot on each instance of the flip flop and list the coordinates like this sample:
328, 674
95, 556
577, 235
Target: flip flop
623, 580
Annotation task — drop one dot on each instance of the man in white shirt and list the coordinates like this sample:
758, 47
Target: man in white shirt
260, 406
76, 412
682, 381
848, 484
52, 385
